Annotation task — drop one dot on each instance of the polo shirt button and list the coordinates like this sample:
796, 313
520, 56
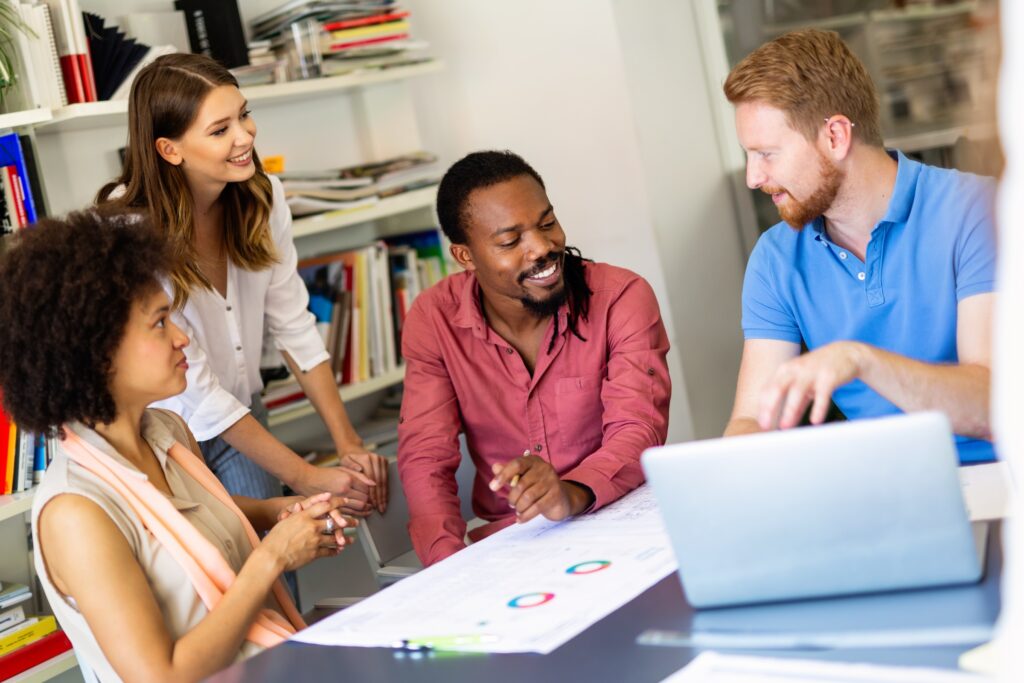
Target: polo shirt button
650, 371
538, 448
239, 348
229, 308
508, 349
860, 276
842, 255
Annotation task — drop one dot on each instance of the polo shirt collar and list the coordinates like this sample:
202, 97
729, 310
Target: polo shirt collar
901, 202
470, 315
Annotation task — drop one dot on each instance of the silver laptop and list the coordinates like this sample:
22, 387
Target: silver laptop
853, 507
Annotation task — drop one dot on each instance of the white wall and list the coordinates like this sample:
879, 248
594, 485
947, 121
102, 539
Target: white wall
609, 101
694, 220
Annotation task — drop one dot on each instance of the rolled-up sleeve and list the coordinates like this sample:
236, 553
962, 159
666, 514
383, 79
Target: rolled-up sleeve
428, 448
207, 407
291, 325
635, 396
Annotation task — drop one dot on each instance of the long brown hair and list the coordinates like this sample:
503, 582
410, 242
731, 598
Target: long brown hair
165, 99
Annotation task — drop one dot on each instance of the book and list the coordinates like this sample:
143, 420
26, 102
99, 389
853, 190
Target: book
12, 154
24, 623
73, 50
372, 31
11, 617
8, 473
30, 633
13, 594
14, 196
215, 30
33, 654
364, 21
151, 55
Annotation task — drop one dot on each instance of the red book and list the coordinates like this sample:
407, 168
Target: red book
88, 79
364, 21
338, 47
19, 195
33, 654
5, 438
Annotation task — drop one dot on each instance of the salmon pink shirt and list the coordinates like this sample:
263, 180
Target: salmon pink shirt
590, 408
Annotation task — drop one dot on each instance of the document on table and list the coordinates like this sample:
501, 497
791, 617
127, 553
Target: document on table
987, 490
712, 667
527, 588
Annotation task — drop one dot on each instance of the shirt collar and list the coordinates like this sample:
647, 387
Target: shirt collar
470, 315
902, 200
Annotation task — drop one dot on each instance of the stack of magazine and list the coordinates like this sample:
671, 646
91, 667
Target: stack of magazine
359, 186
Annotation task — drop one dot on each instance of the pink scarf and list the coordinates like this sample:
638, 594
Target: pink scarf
204, 565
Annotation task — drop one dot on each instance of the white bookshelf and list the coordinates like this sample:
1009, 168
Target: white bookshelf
44, 671
29, 117
90, 115
389, 206
15, 504
349, 392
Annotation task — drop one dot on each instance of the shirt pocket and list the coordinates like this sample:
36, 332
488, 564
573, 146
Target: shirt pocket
580, 411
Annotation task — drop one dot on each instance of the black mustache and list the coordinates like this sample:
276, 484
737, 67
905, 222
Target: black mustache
555, 256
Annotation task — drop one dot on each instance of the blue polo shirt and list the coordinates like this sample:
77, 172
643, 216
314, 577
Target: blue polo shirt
934, 247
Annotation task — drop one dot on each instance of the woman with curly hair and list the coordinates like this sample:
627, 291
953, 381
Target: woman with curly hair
191, 165
152, 569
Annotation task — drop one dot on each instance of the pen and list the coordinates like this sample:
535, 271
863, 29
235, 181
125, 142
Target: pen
445, 642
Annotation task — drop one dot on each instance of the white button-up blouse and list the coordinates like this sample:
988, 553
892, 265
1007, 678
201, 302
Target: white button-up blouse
226, 333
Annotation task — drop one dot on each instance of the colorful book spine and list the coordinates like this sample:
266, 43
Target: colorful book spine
33, 654
31, 633
364, 21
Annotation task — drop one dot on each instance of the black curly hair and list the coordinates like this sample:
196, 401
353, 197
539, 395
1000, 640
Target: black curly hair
66, 291
487, 168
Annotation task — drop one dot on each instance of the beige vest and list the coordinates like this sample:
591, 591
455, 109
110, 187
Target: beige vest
180, 604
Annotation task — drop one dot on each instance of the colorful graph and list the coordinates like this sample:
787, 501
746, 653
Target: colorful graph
530, 600
588, 567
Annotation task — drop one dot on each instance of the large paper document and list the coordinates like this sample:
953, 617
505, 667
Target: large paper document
988, 490
527, 588
712, 667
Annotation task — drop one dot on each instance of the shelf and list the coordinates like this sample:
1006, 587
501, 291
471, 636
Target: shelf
349, 392
29, 117
390, 206
90, 115
52, 667
915, 141
15, 504
331, 84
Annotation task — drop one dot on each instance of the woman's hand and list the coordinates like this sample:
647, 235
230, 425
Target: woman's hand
353, 486
373, 465
303, 533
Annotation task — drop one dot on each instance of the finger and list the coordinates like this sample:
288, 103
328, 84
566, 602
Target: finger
543, 505
339, 519
361, 478
313, 500
771, 400
797, 398
353, 462
381, 475
822, 399
356, 498
318, 509
510, 469
351, 512
528, 494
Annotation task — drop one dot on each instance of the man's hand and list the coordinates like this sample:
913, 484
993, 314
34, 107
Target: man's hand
353, 486
535, 489
814, 376
373, 465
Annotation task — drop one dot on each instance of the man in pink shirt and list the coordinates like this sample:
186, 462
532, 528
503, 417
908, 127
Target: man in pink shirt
553, 366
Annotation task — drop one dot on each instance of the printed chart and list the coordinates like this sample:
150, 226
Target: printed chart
528, 588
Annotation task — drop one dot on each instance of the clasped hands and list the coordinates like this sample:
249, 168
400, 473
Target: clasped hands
361, 479
535, 489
